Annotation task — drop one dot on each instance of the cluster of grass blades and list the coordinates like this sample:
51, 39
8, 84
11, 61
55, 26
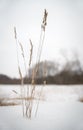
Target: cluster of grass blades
27, 96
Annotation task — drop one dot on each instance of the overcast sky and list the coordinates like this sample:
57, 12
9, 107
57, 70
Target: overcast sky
64, 31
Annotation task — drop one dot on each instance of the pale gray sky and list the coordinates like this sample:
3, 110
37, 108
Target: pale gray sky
64, 31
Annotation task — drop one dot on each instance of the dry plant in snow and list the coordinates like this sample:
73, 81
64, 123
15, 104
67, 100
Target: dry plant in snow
28, 95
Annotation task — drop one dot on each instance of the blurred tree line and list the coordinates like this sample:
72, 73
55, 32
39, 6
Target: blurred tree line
52, 72
70, 73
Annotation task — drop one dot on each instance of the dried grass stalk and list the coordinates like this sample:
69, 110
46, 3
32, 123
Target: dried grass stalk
21, 49
42, 37
20, 73
15, 33
31, 51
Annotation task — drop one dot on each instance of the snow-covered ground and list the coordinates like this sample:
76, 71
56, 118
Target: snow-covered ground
60, 109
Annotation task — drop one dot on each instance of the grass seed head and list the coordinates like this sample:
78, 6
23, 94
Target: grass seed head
44, 22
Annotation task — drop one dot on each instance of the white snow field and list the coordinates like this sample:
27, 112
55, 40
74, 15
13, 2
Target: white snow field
59, 109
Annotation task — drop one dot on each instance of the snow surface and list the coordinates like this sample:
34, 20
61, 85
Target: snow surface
60, 110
